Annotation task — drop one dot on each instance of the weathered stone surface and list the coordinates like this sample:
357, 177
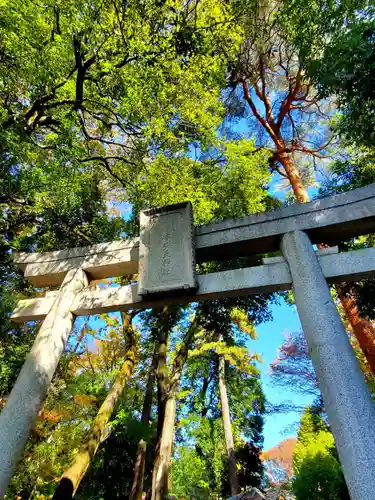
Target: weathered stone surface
320, 252
25, 400
32, 309
249, 281
349, 406
117, 258
166, 250
24, 258
227, 283
327, 220
345, 266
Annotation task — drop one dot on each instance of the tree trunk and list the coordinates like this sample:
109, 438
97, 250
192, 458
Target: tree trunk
165, 428
160, 473
294, 178
362, 327
229, 442
164, 386
139, 467
74, 474
167, 404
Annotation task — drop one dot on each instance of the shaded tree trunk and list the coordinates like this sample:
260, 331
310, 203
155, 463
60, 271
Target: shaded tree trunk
362, 327
229, 442
74, 474
160, 486
139, 468
160, 474
167, 405
205, 407
162, 378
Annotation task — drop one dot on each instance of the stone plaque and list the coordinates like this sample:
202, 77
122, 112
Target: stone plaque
166, 250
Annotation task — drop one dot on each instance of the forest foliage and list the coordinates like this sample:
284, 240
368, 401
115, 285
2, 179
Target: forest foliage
110, 106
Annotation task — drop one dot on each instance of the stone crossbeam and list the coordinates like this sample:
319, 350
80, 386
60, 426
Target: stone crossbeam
164, 259
275, 276
117, 258
327, 220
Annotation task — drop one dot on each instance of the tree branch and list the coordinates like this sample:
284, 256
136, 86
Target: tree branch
313, 151
40, 103
260, 118
289, 98
263, 94
182, 353
104, 161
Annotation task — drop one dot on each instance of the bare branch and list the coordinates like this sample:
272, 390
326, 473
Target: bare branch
289, 98
260, 118
104, 161
263, 94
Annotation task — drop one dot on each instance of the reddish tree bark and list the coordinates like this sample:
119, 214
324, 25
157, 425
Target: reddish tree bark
299, 98
294, 178
362, 327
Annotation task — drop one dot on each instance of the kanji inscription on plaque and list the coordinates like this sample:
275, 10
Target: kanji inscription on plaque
166, 251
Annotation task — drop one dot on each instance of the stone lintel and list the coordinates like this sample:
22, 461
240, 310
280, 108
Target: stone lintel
33, 309
115, 259
21, 259
327, 220
340, 267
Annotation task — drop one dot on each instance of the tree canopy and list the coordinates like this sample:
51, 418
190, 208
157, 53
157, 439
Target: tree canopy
111, 106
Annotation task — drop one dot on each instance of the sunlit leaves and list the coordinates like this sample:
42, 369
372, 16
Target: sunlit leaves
227, 181
315, 464
239, 357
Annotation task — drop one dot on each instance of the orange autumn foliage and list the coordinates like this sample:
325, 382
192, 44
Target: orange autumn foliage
282, 454
84, 399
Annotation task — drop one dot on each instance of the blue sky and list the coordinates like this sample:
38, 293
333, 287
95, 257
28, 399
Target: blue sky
270, 336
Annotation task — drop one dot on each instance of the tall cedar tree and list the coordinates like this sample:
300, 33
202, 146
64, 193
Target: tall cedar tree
270, 77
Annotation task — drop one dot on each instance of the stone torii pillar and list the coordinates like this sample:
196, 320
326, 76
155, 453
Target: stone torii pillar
347, 400
164, 257
26, 397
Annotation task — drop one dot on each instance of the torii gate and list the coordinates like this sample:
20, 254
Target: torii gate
164, 257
